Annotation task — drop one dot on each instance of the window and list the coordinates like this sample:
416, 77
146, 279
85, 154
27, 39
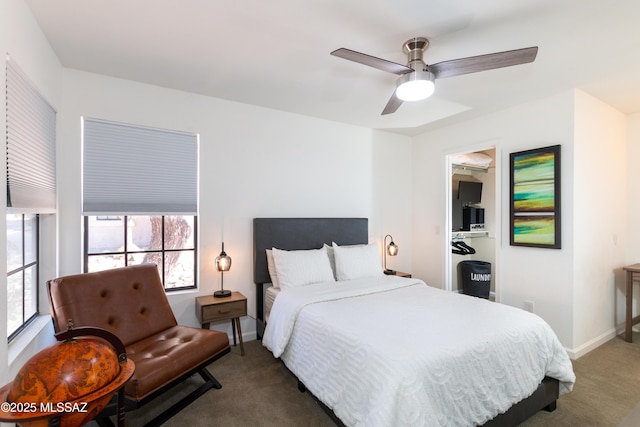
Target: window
139, 189
31, 190
167, 241
22, 271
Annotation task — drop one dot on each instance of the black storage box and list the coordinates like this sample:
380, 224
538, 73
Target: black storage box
475, 277
472, 218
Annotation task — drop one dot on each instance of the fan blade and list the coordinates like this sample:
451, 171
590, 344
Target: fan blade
372, 61
393, 104
474, 64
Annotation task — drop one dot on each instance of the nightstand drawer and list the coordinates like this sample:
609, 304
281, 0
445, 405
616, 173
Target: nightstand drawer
229, 310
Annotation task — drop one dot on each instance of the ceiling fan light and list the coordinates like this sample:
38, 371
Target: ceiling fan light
415, 86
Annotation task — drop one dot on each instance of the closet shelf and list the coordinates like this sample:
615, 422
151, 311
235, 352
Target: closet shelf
456, 166
468, 234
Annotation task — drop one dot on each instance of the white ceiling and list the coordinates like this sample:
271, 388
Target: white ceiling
275, 53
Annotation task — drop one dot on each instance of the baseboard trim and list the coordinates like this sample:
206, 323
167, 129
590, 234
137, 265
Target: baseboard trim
590, 345
249, 336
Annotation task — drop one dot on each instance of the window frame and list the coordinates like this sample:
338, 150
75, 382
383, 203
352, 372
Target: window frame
163, 250
35, 281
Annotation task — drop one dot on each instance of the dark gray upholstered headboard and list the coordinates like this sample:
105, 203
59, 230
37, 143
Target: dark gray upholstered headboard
302, 233
296, 234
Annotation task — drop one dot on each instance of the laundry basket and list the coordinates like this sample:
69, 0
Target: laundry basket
475, 278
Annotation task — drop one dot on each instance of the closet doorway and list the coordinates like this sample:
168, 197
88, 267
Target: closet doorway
472, 214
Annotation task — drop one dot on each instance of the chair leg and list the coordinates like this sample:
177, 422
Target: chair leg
208, 377
104, 422
210, 382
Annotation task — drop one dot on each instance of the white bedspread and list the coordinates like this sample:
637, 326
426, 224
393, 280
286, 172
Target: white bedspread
392, 351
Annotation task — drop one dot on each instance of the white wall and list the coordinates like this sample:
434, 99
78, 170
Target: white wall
576, 289
600, 220
21, 38
272, 163
543, 276
391, 179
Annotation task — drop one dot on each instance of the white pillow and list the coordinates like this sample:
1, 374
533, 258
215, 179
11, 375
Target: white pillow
272, 269
300, 268
332, 258
354, 262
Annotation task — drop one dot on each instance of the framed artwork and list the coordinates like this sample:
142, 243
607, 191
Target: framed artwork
535, 198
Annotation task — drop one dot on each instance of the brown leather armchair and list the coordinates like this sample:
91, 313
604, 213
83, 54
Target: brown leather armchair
131, 302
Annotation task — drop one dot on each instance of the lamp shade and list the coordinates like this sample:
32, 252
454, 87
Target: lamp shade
415, 86
223, 261
392, 249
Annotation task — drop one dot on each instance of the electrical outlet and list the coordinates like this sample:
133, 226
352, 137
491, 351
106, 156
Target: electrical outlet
528, 305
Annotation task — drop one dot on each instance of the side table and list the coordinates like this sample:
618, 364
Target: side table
399, 274
633, 275
210, 309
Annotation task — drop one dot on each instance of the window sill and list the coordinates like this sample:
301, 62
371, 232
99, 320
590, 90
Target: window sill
27, 337
181, 292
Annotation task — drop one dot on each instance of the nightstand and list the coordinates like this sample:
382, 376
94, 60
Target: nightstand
210, 309
399, 274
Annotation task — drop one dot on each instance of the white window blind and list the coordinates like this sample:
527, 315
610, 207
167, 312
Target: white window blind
31, 145
129, 169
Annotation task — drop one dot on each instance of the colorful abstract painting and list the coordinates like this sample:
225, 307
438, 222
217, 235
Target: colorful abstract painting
535, 197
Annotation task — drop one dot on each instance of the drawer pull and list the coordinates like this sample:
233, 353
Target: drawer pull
224, 311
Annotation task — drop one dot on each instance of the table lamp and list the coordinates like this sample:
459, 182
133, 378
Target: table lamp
223, 263
392, 250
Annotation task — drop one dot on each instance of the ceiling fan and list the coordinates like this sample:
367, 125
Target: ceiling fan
417, 79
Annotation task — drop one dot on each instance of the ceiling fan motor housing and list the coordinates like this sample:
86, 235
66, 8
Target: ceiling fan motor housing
419, 84
414, 48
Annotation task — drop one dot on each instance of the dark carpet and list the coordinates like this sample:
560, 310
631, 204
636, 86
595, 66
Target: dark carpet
257, 390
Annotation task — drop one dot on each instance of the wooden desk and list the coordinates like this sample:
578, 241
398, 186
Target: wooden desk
210, 309
633, 275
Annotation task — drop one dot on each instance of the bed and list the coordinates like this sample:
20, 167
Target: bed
385, 350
